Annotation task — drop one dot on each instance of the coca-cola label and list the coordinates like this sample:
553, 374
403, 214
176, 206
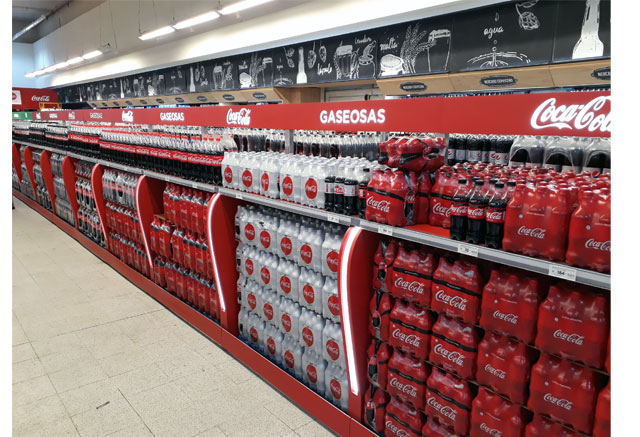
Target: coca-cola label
415, 287
248, 266
333, 350
309, 294
311, 188
265, 239
407, 389
247, 179
452, 301
265, 275
312, 373
509, 318
241, 117
286, 322
306, 253
271, 346
334, 305
443, 410
393, 429
289, 360
476, 213
458, 210
251, 300
495, 372
332, 261
264, 181
39, 99
454, 356
253, 332
569, 338
287, 186
562, 403
440, 209
336, 388
598, 245
378, 205
285, 284
495, 216
249, 232
491, 431
228, 174
591, 116
410, 339
286, 246
307, 336
532, 232
268, 311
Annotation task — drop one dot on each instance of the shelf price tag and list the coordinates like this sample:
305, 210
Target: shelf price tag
562, 272
333, 218
465, 249
385, 230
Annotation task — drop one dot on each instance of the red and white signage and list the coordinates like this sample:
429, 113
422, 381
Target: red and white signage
30, 98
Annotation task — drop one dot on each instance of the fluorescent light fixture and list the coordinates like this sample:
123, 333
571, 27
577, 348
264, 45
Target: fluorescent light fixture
61, 65
202, 18
91, 55
74, 61
32, 74
38, 72
156, 33
50, 69
241, 6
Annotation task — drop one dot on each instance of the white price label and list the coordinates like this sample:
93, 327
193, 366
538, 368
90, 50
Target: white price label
385, 230
562, 272
333, 218
465, 249
238, 196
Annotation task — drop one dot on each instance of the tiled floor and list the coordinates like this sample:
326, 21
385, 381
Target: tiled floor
93, 355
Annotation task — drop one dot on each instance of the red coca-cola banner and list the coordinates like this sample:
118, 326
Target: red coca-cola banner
30, 98
563, 113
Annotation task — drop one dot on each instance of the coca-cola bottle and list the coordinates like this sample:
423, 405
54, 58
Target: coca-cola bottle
458, 212
476, 223
496, 210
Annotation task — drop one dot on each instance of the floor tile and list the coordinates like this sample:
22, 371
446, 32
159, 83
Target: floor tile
90, 396
106, 419
27, 369
32, 390
82, 373
22, 352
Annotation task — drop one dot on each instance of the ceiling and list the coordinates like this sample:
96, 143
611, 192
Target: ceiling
58, 12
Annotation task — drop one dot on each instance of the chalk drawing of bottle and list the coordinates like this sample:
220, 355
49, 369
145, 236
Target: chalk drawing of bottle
589, 44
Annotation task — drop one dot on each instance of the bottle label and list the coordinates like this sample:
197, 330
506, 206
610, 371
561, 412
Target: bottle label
349, 190
338, 189
486, 156
362, 192
475, 212
474, 155
494, 215
458, 209
461, 154
328, 188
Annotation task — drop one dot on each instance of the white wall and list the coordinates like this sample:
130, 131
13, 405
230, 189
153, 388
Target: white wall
306, 20
21, 63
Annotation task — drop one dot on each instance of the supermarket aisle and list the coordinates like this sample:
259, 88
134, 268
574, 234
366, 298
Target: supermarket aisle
94, 355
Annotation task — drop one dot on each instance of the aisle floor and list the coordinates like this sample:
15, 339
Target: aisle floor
93, 355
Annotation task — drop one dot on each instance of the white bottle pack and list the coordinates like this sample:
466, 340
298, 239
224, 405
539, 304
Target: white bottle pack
310, 290
254, 297
311, 326
288, 275
290, 317
331, 252
292, 356
333, 347
256, 330
273, 343
337, 386
270, 306
330, 300
314, 367
268, 270
243, 322
288, 233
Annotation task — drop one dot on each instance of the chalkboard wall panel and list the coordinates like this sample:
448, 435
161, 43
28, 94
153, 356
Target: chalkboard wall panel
416, 47
285, 65
225, 74
200, 77
127, 86
255, 70
175, 80
583, 30
515, 34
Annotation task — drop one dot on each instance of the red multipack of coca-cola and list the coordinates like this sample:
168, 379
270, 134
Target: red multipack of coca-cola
410, 329
602, 425
433, 428
379, 313
503, 365
456, 290
378, 354
590, 231
402, 420
422, 198
454, 346
510, 304
441, 198
413, 153
574, 323
391, 197
375, 407
382, 261
563, 390
537, 221
449, 400
542, 427
411, 275
492, 415
407, 379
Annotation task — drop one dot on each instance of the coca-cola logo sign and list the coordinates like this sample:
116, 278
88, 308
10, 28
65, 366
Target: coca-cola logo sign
271, 346
312, 373
264, 181
379, 205
287, 185
249, 232
253, 332
407, 389
40, 98
333, 350
251, 300
265, 275
562, 403
393, 428
265, 239
474, 213
598, 245
452, 301
410, 339
309, 294
495, 372
440, 209
228, 175
453, 356
240, 118
334, 305
311, 188
306, 253
532, 232
332, 261
443, 410
415, 287
336, 388
307, 336
591, 115
509, 318
491, 431
268, 311
286, 322
285, 284
248, 265
285, 245
495, 216
569, 338
289, 359
247, 178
